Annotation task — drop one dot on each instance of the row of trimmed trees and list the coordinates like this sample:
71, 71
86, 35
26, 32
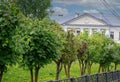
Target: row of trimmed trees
89, 49
34, 42
31, 41
100, 49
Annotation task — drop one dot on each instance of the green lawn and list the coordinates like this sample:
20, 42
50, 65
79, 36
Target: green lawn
17, 74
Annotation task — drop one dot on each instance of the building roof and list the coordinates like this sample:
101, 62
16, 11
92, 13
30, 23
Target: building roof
107, 18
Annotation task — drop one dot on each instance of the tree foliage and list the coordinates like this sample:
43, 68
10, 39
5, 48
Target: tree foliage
106, 53
69, 52
116, 56
100, 49
34, 8
82, 47
43, 48
61, 37
9, 22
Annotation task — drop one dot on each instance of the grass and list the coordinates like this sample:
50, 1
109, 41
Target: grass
17, 74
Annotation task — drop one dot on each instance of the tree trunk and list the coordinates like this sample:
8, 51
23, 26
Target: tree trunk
65, 68
1, 74
80, 66
103, 69
108, 69
36, 73
1, 71
99, 68
89, 68
115, 67
69, 66
31, 74
58, 69
83, 68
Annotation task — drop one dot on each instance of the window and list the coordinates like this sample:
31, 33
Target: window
112, 35
94, 30
78, 31
103, 31
86, 30
119, 35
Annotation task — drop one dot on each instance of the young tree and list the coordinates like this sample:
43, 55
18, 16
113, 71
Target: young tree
43, 48
69, 52
52, 25
9, 22
82, 47
82, 56
116, 56
94, 47
34, 8
106, 53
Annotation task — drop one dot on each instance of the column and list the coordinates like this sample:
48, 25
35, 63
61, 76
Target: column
75, 31
90, 31
107, 33
65, 28
99, 30
81, 30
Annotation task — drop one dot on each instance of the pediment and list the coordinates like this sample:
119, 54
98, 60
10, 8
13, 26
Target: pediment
86, 20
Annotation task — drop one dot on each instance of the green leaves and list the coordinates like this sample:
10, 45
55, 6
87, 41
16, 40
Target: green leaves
100, 49
70, 48
43, 45
32, 42
9, 21
33, 8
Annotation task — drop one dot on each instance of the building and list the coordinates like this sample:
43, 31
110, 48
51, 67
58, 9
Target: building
92, 22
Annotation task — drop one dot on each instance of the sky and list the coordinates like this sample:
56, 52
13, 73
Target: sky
67, 7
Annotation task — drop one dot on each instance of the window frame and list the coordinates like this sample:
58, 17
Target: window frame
112, 35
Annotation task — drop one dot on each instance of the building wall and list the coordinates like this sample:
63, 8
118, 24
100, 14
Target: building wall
116, 31
86, 20
89, 22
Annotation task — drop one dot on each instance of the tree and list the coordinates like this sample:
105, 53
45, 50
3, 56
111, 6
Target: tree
116, 56
82, 47
52, 25
105, 56
9, 21
42, 48
94, 47
90, 50
82, 56
69, 52
34, 8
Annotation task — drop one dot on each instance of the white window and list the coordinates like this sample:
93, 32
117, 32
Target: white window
112, 35
94, 30
78, 31
119, 35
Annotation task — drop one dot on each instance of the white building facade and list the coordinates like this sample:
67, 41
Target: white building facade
109, 25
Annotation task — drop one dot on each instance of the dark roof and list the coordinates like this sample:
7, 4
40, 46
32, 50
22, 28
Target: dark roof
107, 18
